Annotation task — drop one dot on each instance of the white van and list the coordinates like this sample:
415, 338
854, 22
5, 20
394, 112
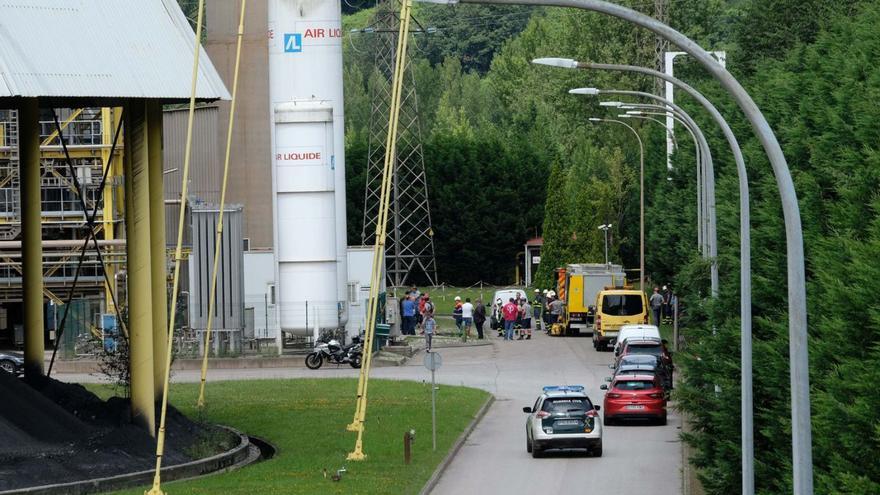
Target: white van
506, 294
638, 331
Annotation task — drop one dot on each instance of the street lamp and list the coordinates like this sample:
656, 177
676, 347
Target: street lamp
801, 435
707, 156
645, 116
606, 228
703, 213
641, 198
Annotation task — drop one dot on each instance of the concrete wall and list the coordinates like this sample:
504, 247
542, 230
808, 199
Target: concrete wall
250, 180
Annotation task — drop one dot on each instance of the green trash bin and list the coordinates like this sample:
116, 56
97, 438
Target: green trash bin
381, 337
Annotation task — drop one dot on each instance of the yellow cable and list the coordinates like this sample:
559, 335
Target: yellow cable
219, 238
384, 201
160, 440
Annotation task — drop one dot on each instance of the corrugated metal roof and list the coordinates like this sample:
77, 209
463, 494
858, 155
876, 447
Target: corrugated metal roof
100, 48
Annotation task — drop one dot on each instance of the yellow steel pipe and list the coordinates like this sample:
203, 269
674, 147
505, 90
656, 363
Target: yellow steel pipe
378, 250
139, 275
158, 268
32, 233
218, 241
107, 127
178, 251
378, 253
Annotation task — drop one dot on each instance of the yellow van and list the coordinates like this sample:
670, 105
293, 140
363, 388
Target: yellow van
614, 309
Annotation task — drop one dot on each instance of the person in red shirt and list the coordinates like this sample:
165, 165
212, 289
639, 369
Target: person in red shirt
509, 312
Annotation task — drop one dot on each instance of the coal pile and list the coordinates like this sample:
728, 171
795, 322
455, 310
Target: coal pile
57, 432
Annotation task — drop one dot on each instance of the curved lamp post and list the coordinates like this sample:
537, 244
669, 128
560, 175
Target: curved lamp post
670, 132
697, 147
801, 435
641, 197
701, 144
707, 155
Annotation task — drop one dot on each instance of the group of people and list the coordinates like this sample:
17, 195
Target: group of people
467, 315
416, 308
514, 315
662, 305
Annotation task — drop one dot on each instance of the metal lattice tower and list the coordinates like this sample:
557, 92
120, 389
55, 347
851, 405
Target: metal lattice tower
409, 245
661, 44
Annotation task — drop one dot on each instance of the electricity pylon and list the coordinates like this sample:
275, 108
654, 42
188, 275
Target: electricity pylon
410, 239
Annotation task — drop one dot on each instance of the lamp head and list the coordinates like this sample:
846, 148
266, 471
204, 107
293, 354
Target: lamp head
584, 91
565, 63
595, 119
624, 116
635, 112
610, 104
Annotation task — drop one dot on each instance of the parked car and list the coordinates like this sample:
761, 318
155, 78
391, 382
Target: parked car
563, 417
653, 347
635, 331
12, 362
635, 397
614, 309
654, 367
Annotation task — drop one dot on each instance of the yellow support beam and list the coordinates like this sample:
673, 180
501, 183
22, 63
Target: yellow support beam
137, 232
75, 151
108, 128
64, 125
157, 245
156, 489
32, 233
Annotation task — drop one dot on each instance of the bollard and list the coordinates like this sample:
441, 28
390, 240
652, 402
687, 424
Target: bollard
408, 438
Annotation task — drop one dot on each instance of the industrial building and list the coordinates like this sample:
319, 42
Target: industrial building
144, 63
272, 279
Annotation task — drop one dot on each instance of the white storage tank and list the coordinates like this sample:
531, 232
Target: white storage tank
308, 164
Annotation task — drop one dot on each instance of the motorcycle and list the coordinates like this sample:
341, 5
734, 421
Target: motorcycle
333, 352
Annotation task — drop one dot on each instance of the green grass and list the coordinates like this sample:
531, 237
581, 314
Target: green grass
305, 419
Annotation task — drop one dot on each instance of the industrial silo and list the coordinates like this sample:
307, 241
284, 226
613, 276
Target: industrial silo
308, 164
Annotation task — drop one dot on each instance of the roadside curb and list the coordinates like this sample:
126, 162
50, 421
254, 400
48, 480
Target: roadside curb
243, 454
435, 478
453, 345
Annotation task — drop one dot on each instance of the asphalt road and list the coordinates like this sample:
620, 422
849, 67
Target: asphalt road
636, 458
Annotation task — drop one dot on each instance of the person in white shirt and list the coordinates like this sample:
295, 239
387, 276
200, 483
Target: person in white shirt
467, 317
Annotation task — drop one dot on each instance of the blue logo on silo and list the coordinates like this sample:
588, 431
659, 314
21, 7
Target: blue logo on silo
293, 42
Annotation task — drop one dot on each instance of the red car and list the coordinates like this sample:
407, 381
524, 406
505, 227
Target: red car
635, 397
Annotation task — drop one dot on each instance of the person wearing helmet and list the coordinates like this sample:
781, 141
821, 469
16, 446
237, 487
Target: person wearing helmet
538, 307
497, 317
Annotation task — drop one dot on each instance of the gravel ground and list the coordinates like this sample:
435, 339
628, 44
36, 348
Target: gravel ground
58, 432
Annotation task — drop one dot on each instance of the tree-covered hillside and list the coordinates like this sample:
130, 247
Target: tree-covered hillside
509, 152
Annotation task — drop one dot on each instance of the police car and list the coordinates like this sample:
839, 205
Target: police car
563, 417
